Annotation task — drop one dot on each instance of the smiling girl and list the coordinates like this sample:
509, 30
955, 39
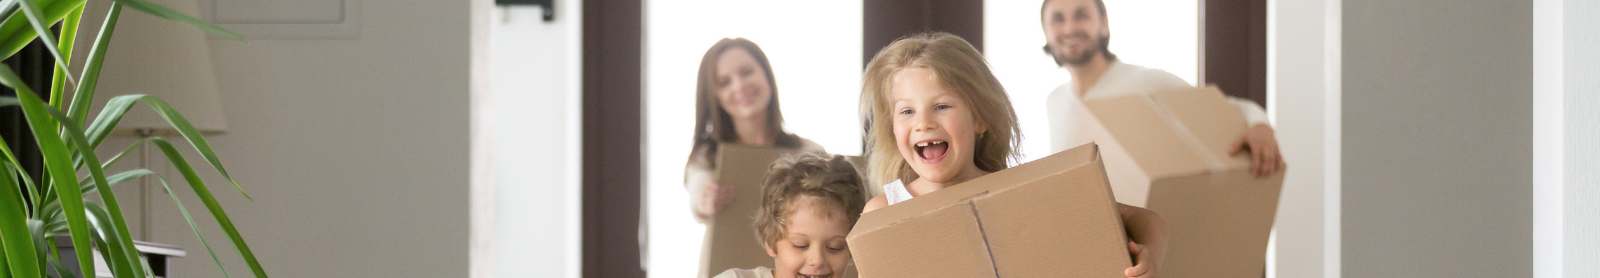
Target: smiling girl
938, 118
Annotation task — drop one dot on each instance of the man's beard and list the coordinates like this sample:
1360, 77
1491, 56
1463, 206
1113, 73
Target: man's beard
1081, 58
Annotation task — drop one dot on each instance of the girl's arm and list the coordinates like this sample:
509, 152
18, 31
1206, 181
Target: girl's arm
1149, 231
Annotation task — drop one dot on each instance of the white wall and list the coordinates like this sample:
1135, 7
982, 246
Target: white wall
354, 150
526, 146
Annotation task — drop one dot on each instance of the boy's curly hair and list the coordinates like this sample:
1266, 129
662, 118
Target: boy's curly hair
828, 182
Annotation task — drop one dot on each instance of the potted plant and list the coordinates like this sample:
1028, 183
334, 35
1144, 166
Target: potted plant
34, 216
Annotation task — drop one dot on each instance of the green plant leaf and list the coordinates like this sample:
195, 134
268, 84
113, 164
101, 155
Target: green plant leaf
90, 186
118, 157
21, 255
107, 196
57, 162
210, 201
69, 37
79, 107
37, 18
193, 136
120, 252
8, 101
169, 14
5, 266
53, 257
119, 106
109, 116
27, 181
193, 227
16, 32
46, 250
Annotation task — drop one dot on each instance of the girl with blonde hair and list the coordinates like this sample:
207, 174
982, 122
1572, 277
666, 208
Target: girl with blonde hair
937, 117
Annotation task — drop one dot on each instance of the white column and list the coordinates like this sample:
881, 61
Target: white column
1303, 88
1581, 103
526, 141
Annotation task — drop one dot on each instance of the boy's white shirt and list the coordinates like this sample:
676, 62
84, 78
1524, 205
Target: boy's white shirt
758, 272
1066, 108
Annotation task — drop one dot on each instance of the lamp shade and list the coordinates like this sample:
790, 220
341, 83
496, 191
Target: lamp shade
154, 56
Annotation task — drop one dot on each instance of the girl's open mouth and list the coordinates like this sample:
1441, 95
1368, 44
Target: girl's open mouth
931, 151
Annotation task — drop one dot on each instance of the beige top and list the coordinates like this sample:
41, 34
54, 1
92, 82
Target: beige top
758, 272
1120, 79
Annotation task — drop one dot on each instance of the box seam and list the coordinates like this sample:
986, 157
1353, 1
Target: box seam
985, 236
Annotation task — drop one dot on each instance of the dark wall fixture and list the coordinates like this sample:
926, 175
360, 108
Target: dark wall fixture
549, 6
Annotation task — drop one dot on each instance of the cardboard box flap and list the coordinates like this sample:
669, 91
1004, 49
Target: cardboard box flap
960, 242
1174, 132
1018, 175
730, 238
1064, 208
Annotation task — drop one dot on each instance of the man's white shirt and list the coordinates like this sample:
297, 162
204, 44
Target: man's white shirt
1068, 115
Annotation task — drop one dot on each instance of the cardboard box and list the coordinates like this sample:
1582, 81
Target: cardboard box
1053, 217
1168, 151
731, 240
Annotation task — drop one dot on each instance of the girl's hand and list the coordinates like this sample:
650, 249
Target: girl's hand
713, 199
1147, 239
1142, 267
1265, 159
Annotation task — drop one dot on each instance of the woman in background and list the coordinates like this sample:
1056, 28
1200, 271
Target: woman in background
736, 101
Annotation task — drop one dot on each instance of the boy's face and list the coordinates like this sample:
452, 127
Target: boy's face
933, 127
814, 246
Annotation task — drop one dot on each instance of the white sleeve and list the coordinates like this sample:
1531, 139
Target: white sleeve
695, 178
1253, 114
1062, 119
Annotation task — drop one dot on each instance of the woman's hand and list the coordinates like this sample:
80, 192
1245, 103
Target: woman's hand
1142, 267
1265, 159
713, 199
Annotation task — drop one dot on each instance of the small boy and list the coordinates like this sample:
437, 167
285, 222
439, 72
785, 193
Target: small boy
808, 204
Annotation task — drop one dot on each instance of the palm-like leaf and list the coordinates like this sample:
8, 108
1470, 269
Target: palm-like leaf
67, 141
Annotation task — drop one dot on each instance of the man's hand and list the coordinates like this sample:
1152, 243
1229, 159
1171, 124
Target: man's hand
1265, 159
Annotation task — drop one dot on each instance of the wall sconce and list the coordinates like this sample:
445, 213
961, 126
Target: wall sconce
549, 6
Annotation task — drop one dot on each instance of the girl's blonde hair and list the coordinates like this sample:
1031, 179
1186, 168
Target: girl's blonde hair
958, 67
